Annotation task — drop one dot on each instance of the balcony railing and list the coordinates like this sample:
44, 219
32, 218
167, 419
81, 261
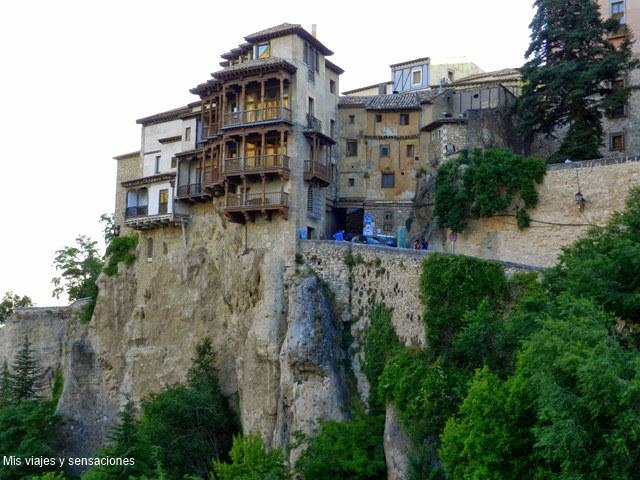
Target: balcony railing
256, 164
137, 211
257, 201
316, 170
210, 130
267, 114
189, 190
313, 123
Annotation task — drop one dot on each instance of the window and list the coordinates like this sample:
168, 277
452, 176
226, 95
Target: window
404, 119
378, 118
332, 128
157, 167
311, 109
149, 249
332, 86
310, 57
388, 216
352, 148
411, 151
388, 180
163, 201
616, 141
387, 227
187, 134
385, 150
314, 202
264, 51
173, 162
352, 119
351, 182
620, 111
416, 77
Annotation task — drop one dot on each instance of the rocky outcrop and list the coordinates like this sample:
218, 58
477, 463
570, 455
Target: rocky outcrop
396, 446
312, 382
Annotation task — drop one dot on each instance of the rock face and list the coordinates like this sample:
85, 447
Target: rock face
396, 446
276, 337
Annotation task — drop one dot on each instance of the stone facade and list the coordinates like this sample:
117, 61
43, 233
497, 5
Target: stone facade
129, 166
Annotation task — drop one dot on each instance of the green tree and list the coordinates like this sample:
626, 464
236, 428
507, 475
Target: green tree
380, 344
79, 268
570, 76
10, 302
191, 424
250, 460
124, 442
5, 385
350, 449
27, 429
25, 374
605, 265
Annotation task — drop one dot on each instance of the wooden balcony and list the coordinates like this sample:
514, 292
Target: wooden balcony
242, 208
210, 130
276, 164
317, 171
314, 124
258, 115
137, 218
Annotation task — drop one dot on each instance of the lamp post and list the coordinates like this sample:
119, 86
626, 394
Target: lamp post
580, 201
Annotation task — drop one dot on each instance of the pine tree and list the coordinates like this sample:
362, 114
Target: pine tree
571, 76
25, 374
5, 385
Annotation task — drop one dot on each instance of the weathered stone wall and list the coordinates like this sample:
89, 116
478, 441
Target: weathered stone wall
129, 167
556, 221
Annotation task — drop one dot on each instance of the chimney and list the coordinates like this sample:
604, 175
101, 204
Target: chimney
314, 28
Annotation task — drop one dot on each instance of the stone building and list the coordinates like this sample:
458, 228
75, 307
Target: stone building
622, 126
388, 141
257, 147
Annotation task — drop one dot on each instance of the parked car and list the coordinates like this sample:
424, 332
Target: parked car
370, 240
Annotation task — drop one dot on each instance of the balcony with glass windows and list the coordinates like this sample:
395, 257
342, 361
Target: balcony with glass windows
137, 217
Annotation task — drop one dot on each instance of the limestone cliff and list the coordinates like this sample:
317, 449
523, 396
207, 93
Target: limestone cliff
272, 325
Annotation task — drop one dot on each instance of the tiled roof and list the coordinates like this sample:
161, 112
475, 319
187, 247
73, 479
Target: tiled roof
206, 87
409, 62
255, 65
333, 67
488, 76
231, 54
164, 116
397, 101
284, 30
368, 87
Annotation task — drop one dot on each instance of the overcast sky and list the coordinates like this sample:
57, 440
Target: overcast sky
77, 74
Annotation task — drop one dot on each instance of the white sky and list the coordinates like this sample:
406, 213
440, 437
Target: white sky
77, 74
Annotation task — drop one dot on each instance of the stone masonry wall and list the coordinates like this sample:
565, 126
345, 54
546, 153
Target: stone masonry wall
556, 221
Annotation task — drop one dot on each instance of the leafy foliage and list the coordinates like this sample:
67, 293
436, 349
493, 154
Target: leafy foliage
569, 411
605, 264
570, 75
350, 449
80, 266
251, 461
10, 302
380, 344
480, 184
27, 429
120, 249
452, 285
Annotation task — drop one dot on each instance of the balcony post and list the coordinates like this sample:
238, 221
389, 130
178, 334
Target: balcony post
224, 102
281, 97
264, 186
262, 102
241, 102
243, 153
262, 149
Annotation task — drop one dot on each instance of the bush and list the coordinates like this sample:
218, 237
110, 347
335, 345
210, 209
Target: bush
120, 250
351, 449
251, 461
